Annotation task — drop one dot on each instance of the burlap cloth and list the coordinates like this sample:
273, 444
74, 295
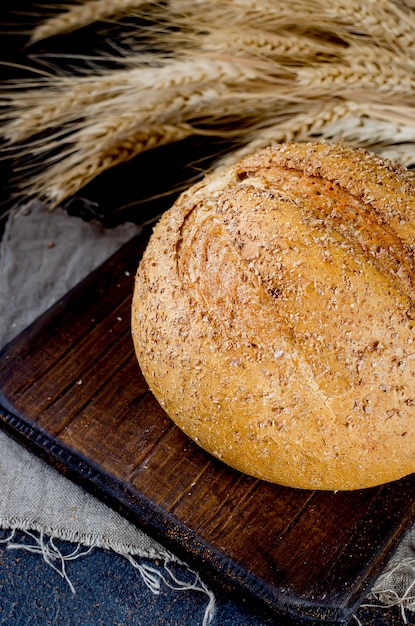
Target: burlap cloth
42, 255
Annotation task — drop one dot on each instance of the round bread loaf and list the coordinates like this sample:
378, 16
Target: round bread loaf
273, 316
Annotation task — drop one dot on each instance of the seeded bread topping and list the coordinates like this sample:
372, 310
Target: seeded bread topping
274, 321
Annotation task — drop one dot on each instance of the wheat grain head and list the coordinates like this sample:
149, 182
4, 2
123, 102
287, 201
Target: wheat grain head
258, 70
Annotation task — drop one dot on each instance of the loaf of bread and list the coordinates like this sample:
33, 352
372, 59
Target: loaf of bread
273, 316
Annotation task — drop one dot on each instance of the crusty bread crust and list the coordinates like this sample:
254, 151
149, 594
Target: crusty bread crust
273, 316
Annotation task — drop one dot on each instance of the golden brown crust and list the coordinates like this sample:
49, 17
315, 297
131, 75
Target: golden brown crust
273, 316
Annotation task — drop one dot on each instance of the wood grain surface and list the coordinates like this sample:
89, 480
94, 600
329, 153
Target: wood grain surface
71, 391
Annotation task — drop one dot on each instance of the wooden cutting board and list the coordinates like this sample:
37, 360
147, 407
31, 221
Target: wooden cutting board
72, 391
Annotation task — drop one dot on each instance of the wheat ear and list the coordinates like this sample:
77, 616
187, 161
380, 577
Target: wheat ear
74, 97
256, 70
66, 178
360, 69
353, 122
78, 16
296, 128
287, 46
381, 19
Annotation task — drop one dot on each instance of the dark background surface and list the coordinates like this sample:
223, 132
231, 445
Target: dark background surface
109, 591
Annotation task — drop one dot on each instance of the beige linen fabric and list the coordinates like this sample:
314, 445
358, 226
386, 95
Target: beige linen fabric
42, 256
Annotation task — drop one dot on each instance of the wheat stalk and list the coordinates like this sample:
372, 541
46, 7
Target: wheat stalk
380, 19
259, 71
76, 97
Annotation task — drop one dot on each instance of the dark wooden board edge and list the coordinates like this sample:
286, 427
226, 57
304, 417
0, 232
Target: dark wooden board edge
220, 570
170, 532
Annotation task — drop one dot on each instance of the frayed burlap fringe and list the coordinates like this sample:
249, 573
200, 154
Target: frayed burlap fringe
396, 584
43, 542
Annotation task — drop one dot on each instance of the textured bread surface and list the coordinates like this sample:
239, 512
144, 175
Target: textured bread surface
273, 316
